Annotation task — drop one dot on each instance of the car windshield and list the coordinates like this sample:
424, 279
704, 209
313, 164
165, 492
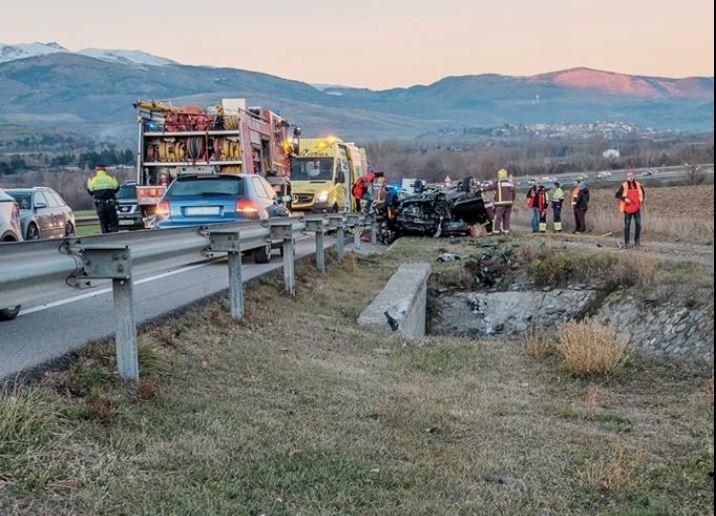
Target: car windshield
312, 169
24, 199
127, 192
206, 187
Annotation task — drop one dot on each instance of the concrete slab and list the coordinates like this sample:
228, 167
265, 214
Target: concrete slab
401, 305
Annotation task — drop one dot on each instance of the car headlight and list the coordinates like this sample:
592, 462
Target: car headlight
323, 196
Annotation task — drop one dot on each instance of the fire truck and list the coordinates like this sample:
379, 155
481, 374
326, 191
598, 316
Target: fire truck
226, 138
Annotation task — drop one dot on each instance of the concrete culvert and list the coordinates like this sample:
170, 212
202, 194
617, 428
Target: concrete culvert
480, 314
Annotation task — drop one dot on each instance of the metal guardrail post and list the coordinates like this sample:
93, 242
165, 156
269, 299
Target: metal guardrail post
316, 225
373, 230
283, 230
336, 222
353, 220
230, 242
115, 263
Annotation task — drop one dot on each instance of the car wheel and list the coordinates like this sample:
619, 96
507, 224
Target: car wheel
69, 229
7, 314
33, 233
262, 254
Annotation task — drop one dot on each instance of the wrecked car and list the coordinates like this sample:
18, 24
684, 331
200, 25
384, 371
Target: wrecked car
441, 211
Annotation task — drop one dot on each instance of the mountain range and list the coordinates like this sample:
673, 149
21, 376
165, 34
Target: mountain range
91, 91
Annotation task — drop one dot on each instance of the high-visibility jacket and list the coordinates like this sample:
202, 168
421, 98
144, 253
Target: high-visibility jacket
575, 194
102, 181
504, 192
558, 197
631, 197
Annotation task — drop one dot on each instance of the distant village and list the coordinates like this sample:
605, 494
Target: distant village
607, 130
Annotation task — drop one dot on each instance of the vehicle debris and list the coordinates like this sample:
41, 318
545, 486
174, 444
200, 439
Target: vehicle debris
446, 257
442, 211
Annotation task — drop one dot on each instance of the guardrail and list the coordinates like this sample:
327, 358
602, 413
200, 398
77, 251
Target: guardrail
90, 220
37, 269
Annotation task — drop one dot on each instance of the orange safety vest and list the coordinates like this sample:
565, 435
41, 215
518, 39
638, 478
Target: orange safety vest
635, 196
575, 194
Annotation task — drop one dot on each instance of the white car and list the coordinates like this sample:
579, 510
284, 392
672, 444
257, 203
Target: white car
604, 175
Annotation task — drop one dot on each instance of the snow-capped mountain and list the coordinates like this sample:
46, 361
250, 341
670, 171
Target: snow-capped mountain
128, 57
24, 50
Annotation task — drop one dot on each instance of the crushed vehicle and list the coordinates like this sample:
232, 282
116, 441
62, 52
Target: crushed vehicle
441, 211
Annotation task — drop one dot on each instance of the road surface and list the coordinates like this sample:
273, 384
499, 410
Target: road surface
54, 327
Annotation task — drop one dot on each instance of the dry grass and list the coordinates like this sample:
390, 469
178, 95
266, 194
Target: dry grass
591, 402
27, 418
296, 410
615, 471
537, 343
673, 213
589, 347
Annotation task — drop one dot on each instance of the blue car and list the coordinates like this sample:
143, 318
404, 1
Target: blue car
203, 199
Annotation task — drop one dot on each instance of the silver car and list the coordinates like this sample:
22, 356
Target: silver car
43, 213
9, 232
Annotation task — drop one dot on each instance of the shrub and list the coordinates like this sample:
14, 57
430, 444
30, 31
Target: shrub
589, 347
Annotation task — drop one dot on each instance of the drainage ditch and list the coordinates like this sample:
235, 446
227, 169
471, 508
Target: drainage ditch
491, 295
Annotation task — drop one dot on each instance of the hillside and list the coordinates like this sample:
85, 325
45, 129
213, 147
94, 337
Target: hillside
94, 95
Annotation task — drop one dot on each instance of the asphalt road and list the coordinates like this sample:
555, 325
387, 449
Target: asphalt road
53, 327
663, 176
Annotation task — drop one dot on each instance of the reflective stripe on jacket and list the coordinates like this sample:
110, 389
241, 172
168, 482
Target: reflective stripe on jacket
504, 192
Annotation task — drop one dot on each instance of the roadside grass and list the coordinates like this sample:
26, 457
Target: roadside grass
673, 213
552, 265
294, 409
92, 229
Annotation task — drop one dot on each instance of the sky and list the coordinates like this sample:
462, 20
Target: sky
385, 43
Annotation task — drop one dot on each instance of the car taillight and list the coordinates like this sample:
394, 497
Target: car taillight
16, 213
247, 207
162, 209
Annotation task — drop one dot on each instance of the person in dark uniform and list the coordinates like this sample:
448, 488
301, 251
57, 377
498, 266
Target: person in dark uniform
103, 188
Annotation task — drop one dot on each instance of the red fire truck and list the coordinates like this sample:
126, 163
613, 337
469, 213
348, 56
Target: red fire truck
226, 138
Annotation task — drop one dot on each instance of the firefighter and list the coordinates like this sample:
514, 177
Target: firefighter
103, 188
504, 190
362, 191
557, 202
573, 202
631, 199
538, 200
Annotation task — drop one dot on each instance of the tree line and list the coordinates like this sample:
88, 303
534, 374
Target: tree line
433, 160
16, 164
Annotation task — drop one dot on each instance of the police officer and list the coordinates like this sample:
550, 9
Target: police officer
103, 188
